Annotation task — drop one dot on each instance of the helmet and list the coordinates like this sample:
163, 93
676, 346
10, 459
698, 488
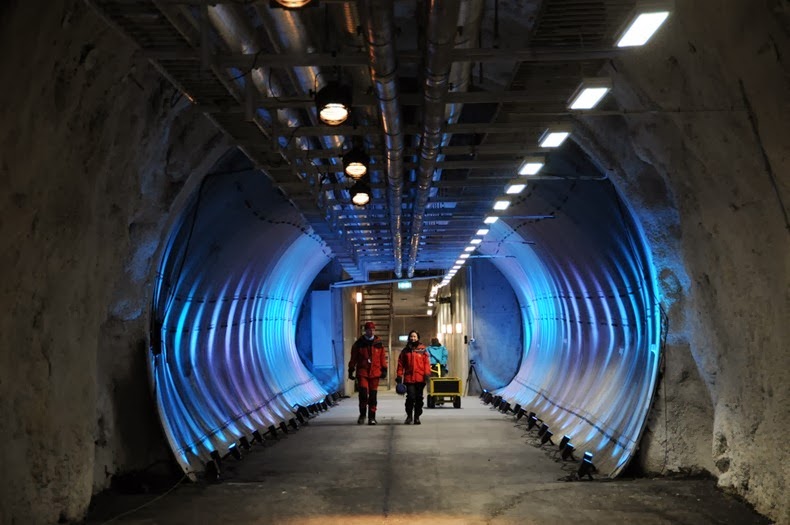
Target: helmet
400, 388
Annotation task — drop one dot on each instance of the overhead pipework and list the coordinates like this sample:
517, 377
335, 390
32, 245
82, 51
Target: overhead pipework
440, 39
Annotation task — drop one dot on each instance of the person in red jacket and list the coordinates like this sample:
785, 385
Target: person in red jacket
369, 360
414, 370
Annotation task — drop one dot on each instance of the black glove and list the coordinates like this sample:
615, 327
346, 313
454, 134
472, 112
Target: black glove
383, 373
399, 380
351, 375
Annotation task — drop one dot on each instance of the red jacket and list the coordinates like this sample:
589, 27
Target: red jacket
414, 364
368, 357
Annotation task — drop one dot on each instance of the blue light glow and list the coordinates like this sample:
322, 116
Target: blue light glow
228, 296
591, 326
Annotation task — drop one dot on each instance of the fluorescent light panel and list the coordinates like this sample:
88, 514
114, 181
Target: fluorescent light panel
642, 28
469, 249
476, 241
482, 231
553, 138
531, 166
514, 188
501, 205
491, 219
589, 93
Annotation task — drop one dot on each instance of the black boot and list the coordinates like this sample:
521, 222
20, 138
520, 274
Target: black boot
371, 417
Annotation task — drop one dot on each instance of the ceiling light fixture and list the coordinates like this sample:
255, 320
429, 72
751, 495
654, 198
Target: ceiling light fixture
356, 161
553, 138
333, 103
514, 188
590, 92
463, 256
289, 4
360, 193
482, 231
531, 165
469, 249
491, 219
475, 241
648, 17
501, 205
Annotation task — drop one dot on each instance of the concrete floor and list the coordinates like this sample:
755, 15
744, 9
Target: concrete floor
468, 466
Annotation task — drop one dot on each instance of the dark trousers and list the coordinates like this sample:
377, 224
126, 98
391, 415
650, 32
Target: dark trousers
414, 398
368, 396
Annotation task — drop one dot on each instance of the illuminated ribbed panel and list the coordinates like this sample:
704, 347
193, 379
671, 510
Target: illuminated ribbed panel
591, 328
228, 297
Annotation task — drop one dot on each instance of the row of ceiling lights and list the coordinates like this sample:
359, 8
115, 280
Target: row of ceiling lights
333, 104
648, 17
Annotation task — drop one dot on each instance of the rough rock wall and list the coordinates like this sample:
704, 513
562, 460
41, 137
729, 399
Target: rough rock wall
94, 146
702, 154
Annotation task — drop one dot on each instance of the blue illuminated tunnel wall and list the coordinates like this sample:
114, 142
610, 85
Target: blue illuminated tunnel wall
230, 285
590, 316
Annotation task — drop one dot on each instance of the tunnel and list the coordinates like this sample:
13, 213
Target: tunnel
188, 263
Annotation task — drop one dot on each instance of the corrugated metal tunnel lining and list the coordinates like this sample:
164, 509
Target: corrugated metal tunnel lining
590, 315
241, 261
230, 286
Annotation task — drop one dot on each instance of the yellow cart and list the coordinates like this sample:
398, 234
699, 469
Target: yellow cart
443, 390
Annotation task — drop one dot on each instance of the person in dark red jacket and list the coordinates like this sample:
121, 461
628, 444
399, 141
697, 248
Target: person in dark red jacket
369, 361
414, 370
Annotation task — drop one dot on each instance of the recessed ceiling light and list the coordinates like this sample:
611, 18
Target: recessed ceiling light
514, 188
482, 231
589, 93
491, 219
531, 166
501, 205
476, 241
553, 138
642, 26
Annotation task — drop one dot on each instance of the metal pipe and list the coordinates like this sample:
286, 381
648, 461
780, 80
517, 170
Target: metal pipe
442, 21
377, 17
347, 284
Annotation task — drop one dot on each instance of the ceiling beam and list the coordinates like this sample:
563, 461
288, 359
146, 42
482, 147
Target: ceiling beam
554, 100
247, 61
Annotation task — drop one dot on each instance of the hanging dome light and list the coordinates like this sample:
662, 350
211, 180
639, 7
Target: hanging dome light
293, 4
360, 193
333, 103
355, 162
